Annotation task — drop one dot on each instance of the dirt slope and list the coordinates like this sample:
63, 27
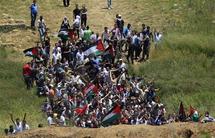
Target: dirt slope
125, 131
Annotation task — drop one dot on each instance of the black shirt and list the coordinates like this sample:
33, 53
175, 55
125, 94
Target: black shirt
76, 12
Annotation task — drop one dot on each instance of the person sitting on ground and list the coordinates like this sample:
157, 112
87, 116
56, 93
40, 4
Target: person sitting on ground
11, 130
208, 118
20, 125
50, 120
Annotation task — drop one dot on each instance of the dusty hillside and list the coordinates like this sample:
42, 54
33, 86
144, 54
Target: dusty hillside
125, 131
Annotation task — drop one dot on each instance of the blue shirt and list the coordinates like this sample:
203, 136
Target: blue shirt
34, 8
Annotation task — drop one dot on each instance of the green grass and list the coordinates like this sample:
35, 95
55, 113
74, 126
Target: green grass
14, 98
184, 65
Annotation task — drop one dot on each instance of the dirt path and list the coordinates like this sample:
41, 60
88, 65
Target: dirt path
184, 130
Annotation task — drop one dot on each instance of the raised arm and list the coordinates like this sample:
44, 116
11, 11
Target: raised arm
11, 117
24, 117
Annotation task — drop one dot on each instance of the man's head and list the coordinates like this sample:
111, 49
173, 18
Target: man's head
34, 1
76, 6
143, 26
88, 27
17, 121
207, 114
129, 26
41, 18
105, 28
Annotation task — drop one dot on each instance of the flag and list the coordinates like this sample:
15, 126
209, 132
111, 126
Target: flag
90, 91
31, 52
96, 50
191, 111
91, 88
100, 46
113, 115
63, 35
81, 110
181, 112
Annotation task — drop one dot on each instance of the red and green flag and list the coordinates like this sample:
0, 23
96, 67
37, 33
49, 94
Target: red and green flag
31, 52
113, 115
81, 110
90, 91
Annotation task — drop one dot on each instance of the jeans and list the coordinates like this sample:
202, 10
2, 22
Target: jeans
109, 2
33, 19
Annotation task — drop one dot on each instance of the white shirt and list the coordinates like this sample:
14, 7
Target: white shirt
77, 21
50, 120
26, 127
80, 57
18, 128
63, 120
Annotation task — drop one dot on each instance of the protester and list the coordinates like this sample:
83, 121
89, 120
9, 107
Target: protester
27, 74
88, 79
34, 12
207, 118
84, 16
109, 4
87, 34
66, 3
77, 25
76, 11
157, 38
42, 28
65, 24
19, 125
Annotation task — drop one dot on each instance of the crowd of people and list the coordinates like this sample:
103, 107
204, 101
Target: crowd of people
85, 76
82, 83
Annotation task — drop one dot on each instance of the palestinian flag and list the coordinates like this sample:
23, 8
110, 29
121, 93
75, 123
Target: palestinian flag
100, 45
96, 50
63, 35
191, 111
81, 111
31, 52
181, 112
113, 115
90, 91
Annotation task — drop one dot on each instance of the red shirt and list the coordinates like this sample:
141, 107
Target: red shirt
27, 70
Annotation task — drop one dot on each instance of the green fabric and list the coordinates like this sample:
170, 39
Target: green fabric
87, 34
195, 118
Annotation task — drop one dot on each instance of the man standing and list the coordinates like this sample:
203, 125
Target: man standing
27, 72
66, 3
76, 11
109, 3
87, 34
120, 24
34, 11
84, 16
